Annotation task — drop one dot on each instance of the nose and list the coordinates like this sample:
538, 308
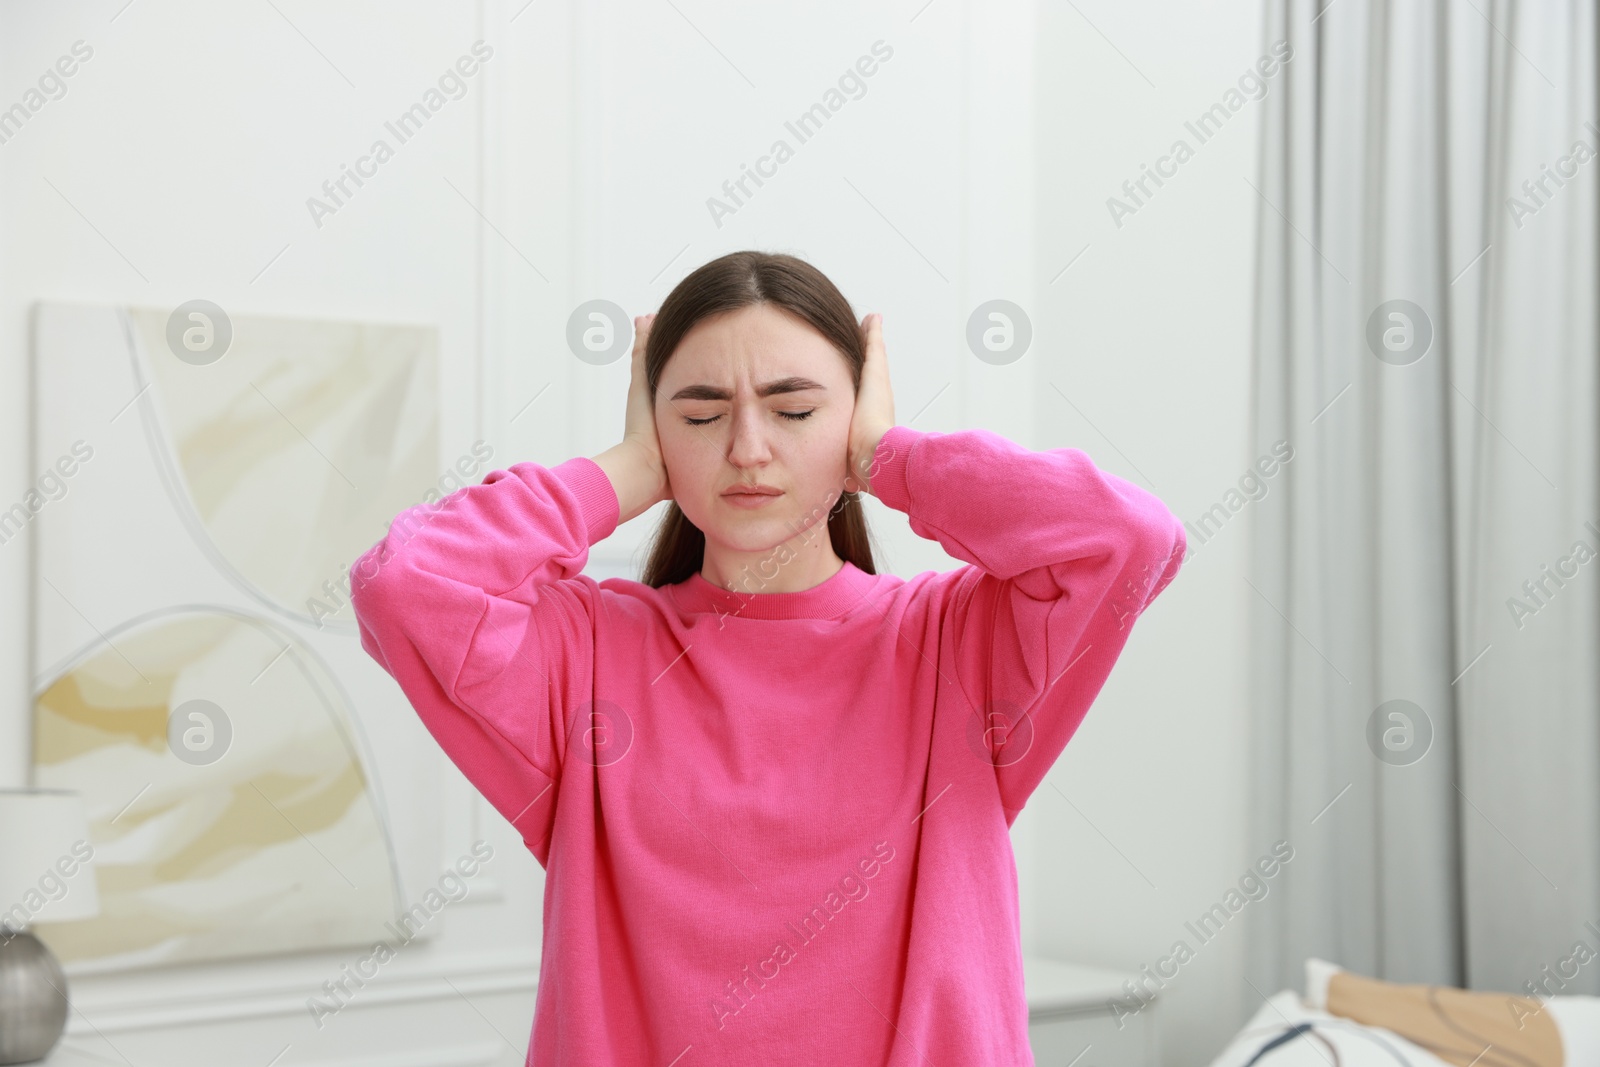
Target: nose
749, 446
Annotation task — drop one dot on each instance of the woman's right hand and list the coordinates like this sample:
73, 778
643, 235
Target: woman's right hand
636, 468
639, 426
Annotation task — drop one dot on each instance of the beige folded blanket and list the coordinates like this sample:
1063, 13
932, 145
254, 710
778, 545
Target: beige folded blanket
1468, 1029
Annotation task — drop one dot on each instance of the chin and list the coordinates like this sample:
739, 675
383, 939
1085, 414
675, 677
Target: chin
752, 535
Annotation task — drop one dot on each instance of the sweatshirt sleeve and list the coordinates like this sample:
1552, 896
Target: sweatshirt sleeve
1064, 557
476, 606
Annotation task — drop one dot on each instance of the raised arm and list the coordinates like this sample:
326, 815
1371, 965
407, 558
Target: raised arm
1064, 558
470, 604
477, 607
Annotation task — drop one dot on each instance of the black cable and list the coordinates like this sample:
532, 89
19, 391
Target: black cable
1282, 1039
1296, 1030
1302, 1028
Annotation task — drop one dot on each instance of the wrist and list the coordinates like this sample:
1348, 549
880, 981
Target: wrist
862, 464
636, 480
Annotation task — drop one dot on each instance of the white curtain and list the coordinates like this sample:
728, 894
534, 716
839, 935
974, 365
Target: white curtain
1445, 454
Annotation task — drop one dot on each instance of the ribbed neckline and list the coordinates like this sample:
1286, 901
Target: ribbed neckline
829, 599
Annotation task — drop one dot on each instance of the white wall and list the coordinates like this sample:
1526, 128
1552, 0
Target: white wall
1148, 335
975, 166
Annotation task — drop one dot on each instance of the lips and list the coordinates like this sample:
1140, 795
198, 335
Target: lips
751, 497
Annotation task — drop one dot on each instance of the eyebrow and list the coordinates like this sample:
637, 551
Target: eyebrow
791, 384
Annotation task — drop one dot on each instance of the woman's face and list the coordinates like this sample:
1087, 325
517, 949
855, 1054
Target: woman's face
755, 396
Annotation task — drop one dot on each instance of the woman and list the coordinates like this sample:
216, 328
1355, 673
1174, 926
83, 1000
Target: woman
771, 788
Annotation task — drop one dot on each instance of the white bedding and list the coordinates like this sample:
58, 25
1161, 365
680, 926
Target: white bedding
1577, 1019
1358, 1046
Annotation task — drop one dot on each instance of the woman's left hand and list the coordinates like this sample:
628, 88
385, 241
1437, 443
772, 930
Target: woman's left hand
874, 411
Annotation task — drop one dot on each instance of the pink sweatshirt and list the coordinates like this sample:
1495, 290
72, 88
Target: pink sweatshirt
774, 825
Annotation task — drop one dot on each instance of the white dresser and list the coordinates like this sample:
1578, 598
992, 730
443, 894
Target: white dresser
1070, 1021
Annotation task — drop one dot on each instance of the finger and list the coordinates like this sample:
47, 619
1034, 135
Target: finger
872, 328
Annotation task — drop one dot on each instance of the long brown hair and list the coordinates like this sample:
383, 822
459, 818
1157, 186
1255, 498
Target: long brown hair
731, 282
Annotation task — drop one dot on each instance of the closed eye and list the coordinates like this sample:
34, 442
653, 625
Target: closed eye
796, 416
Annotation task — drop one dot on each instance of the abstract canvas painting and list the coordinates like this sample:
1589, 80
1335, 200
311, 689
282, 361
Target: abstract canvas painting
197, 673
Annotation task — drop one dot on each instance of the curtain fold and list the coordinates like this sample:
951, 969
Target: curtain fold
1425, 339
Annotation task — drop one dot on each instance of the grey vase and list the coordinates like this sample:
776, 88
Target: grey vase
33, 998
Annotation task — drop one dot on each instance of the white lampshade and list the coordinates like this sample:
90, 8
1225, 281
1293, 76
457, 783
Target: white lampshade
44, 876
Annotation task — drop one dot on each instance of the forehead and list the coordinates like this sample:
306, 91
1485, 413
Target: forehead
753, 344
